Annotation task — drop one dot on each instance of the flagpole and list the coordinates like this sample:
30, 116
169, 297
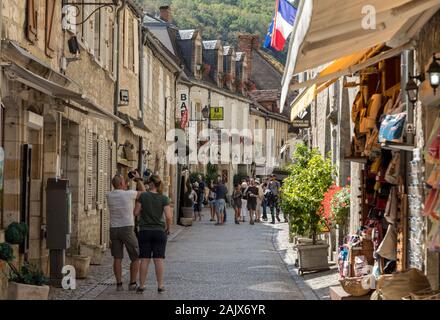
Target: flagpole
274, 33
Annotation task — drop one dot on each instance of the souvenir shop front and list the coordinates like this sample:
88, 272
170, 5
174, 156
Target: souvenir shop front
385, 257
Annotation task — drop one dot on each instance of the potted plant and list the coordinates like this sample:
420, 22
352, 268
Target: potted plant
302, 194
28, 283
95, 252
340, 208
15, 235
81, 265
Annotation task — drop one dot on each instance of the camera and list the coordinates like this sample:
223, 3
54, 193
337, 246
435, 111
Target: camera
132, 174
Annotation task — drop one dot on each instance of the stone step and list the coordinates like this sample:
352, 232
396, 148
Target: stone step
2, 236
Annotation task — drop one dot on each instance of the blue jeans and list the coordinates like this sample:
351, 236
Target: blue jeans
220, 206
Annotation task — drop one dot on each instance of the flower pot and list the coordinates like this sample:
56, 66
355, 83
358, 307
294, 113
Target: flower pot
81, 265
312, 257
188, 212
20, 291
96, 253
187, 222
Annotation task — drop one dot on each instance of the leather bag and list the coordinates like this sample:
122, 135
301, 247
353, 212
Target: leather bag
398, 285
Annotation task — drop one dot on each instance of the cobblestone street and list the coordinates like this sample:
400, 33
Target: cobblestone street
217, 262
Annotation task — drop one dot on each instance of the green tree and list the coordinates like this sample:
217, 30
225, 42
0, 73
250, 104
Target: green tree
310, 177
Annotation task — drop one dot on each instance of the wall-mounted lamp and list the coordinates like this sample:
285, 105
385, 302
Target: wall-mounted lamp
412, 88
434, 73
205, 112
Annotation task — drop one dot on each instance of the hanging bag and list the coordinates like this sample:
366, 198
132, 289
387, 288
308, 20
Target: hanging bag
393, 172
391, 128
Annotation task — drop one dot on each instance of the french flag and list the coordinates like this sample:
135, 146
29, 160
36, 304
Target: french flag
282, 24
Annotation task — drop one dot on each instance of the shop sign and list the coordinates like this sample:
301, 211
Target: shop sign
216, 114
183, 101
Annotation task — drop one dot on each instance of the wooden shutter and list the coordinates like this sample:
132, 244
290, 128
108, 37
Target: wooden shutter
50, 44
32, 20
135, 46
89, 172
105, 223
125, 37
101, 171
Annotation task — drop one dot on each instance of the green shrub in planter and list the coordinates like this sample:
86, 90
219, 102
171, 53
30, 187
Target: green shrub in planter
303, 191
16, 232
6, 252
29, 274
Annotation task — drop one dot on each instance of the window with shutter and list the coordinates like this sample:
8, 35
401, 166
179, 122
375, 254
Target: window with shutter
50, 41
89, 172
105, 227
101, 172
97, 35
135, 46
130, 47
32, 20
111, 41
125, 38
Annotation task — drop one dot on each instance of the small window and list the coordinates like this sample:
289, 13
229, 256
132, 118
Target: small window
97, 33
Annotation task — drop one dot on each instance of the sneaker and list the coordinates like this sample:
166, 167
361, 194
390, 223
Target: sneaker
132, 286
119, 287
278, 218
140, 290
251, 222
273, 222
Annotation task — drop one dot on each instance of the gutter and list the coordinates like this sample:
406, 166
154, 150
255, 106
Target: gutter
117, 75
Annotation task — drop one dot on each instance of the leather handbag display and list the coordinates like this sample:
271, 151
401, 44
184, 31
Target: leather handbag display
373, 111
393, 171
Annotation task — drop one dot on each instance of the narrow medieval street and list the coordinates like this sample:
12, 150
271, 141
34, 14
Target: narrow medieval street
208, 262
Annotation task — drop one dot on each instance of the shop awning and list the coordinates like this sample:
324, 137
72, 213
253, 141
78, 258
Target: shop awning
20, 74
328, 30
302, 102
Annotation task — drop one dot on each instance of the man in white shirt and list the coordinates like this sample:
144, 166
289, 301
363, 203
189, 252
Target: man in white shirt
121, 204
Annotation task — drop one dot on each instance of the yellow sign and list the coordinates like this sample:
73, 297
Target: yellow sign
216, 114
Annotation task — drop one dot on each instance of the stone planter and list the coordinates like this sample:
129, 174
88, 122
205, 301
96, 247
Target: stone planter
4, 270
187, 222
19, 291
188, 212
96, 253
312, 257
81, 265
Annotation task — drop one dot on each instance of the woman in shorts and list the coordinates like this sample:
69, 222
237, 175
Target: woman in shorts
152, 207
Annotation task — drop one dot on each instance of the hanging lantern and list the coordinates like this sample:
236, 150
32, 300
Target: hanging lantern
412, 90
434, 73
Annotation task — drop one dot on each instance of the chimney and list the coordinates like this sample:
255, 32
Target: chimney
165, 13
246, 43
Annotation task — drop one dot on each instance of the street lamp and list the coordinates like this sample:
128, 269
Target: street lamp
434, 73
412, 88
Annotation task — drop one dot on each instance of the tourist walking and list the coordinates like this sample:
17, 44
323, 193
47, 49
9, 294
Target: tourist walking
264, 201
212, 201
220, 201
259, 199
274, 203
252, 195
237, 202
195, 197
121, 203
156, 218
244, 209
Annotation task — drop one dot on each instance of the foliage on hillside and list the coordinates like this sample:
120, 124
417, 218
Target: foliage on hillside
220, 19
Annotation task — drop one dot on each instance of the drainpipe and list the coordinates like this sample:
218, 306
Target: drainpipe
117, 75
142, 38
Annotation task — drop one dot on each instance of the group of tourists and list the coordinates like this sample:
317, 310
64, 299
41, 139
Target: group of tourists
250, 199
145, 240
